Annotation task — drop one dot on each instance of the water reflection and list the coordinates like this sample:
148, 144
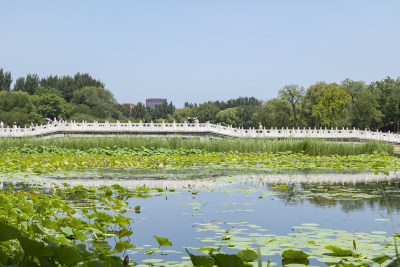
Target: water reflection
349, 191
350, 197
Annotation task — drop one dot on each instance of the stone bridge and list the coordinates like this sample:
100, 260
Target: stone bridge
186, 130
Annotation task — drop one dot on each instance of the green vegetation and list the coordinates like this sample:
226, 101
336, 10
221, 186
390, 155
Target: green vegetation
48, 228
44, 159
81, 97
312, 147
93, 226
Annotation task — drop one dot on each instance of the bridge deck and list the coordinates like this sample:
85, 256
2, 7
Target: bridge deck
206, 130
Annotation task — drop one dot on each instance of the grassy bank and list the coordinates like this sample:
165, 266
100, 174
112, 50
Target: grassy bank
313, 147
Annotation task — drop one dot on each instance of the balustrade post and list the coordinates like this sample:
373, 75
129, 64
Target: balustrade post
163, 125
174, 125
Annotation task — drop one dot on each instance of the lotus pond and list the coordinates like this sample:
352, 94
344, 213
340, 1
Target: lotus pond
153, 217
184, 207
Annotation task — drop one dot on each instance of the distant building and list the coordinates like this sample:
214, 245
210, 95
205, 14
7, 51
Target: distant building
153, 102
131, 106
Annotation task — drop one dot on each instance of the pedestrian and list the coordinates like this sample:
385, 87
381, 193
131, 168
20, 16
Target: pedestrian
144, 120
61, 120
1, 124
15, 126
196, 120
260, 127
32, 124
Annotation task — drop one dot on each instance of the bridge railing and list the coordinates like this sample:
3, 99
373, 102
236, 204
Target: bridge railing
216, 129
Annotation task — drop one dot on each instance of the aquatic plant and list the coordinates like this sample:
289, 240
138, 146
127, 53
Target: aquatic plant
65, 225
314, 147
51, 159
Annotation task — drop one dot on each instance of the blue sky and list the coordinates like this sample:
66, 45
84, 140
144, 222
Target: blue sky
202, 50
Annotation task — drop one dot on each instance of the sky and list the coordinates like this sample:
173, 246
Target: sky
196, 51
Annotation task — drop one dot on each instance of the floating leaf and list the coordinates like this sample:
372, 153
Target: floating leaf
225, 260
247, 255
380, 259
336, 251
294, 254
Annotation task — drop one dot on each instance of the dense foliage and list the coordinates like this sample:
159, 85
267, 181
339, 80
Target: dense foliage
81, 97
312, 147
52, 159
47, 228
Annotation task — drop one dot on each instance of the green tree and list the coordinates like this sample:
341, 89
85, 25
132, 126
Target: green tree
50, 81
19, 84
66, 85
140, 111
326, 103
85, 80
364, 109
5, 80
228, 117
47, 91
50, 105
31, 83
206, 112
388, 95
11, 100
163, 110
181, 114
293, 95
273, 113
94, 97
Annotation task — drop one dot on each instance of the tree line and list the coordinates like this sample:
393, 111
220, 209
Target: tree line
81, 97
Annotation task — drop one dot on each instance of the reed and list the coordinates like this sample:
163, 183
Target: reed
314, 147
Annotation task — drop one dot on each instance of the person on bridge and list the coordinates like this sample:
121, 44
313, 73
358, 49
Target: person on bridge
260, 127
1, 124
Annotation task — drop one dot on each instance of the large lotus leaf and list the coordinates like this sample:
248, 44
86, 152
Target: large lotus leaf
286, 261
380, 259
225, 260
122, 221
67, 230
336, 251
122, 245
48, 262
8, 232
247, 255
3, 257
294, 254
79, 235
124, 232
163, 242
66, 255
105, 263
202, 260
35, 248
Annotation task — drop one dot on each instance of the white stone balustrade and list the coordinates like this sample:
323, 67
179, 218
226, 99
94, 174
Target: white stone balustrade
192, 129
